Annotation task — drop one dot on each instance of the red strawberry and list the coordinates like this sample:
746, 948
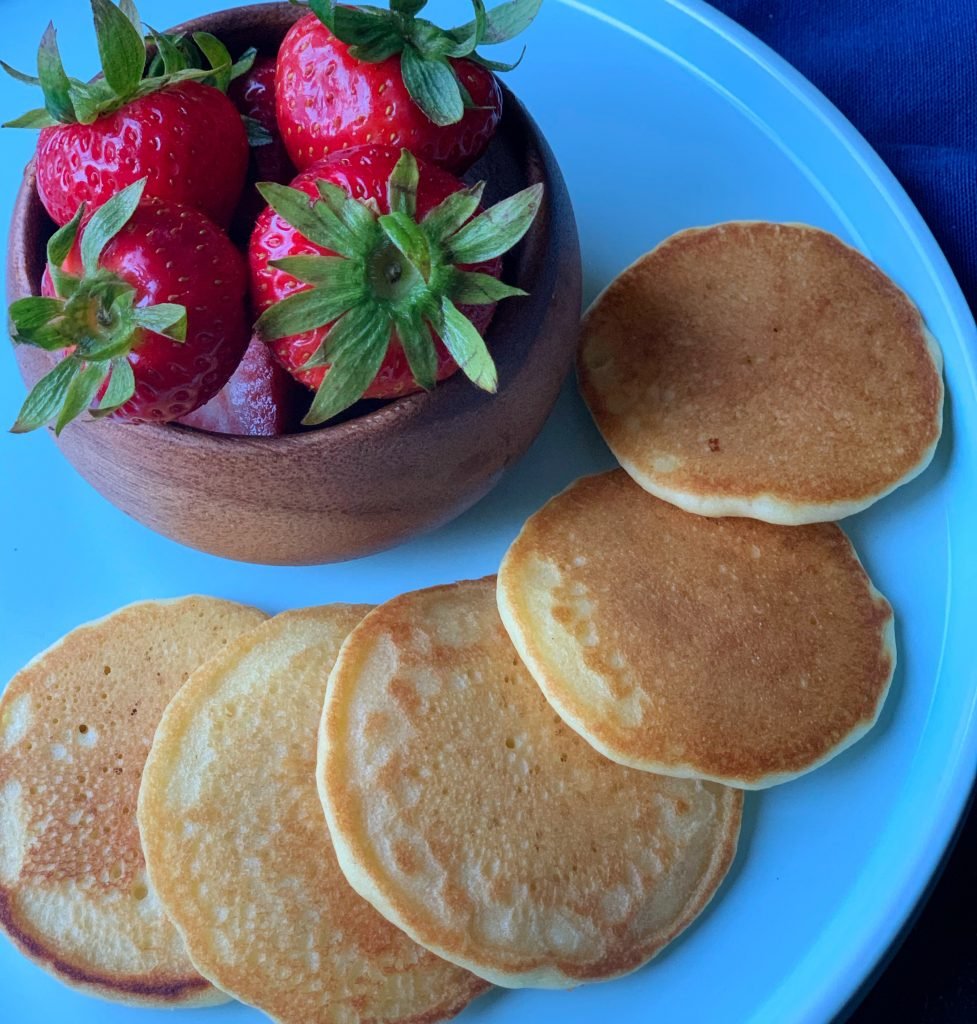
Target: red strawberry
253, 93
184, 137
258, 400
254, 96
383, 283
355, 76
147, 301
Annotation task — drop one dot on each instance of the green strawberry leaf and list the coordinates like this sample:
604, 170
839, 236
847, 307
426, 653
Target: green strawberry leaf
467, 37
468, 288
381, 44
402, 185
324, 10
19, 75
169, 53
408, 8
431, 42
319, 224
107, 221
449, 215
60, 243
496, 230
39, 118
218, 57
167, 318
410, 240
151, 85
121, 387
332, 272
32, 312
357, 216
508, 20
305, 311
244, 63
258, 134
432, 86
46, 397
356, 347
53, 79
51, 337
418, 345
128, 8
126, 74
80, 394
499, 65
361, 25
467, 347
121, 47
91, 99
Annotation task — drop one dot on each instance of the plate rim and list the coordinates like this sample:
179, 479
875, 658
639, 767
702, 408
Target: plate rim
838, 991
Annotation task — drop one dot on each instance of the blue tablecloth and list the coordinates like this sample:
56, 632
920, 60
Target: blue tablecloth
904, 72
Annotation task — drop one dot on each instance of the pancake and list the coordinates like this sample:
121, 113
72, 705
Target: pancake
473, 818
724, 649
75, 727
762, 370
240, 855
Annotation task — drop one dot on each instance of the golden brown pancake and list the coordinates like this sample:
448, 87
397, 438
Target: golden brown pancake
763, 370
473, 818
75, 727
239, 852
725, 649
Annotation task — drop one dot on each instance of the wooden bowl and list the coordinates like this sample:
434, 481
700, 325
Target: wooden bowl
368, 483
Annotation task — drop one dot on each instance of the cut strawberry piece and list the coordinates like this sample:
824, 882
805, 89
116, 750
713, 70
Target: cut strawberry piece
260, 399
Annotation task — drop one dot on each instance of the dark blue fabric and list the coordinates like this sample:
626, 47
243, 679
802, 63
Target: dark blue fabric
904, 72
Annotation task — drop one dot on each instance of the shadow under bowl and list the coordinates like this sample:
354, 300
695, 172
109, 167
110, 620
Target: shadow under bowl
356, 487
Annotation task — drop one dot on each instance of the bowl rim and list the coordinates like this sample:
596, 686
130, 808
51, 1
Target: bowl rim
379, 421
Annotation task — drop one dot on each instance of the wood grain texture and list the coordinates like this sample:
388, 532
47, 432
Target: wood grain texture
371, 482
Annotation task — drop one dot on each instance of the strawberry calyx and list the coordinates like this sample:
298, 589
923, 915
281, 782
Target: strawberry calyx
93, 317
392, 277
373, 35
178, 53
127, 70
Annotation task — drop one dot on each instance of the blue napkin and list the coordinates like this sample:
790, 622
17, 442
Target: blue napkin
904, 72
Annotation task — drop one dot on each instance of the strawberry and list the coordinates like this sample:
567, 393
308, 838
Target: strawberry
184, 137
147, 303
254, 96
351, 76
258, 400
374, 281
253, 93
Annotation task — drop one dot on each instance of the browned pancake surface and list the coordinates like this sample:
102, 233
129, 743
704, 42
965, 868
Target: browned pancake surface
472, 817
721, 648
75, 727
239, 851
762, 369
